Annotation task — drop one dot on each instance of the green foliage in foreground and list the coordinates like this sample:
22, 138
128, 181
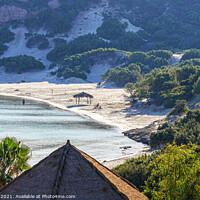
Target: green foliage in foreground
136, 170
21, 64
182, 132
171, 174
38, 40
6, 35
3, 48
175, 174
13, 159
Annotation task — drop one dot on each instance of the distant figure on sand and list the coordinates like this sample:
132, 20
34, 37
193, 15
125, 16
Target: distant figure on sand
97, 106
23, 101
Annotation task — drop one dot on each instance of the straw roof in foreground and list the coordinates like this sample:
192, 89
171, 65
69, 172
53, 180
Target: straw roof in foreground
69, 171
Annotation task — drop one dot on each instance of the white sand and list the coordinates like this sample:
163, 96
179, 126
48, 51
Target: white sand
175, 59
115, 162
130, 27
18, 46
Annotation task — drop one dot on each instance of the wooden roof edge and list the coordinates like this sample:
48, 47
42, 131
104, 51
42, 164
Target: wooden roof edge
129, 183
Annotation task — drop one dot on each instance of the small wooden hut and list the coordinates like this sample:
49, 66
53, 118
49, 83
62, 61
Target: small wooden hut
69, 171
83, 95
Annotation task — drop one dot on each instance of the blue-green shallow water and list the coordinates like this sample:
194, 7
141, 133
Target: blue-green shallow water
44, 130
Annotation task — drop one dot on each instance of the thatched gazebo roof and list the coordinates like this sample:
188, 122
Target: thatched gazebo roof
69, 171
82, 95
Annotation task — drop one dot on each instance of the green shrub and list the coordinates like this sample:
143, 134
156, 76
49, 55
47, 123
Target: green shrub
6, 35
21, 64
38, 40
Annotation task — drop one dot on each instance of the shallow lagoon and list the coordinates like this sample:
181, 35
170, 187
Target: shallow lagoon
44, 130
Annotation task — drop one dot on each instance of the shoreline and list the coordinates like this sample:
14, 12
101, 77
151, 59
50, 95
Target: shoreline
116, 111
107, 163
60, 107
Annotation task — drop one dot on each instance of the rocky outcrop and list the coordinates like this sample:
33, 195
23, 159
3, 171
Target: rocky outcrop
9, 13
54, 4
143, 134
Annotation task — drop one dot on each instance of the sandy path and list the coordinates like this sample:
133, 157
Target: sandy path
115, 111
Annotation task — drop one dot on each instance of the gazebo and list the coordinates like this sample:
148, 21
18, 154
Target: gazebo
82, 95
71, 172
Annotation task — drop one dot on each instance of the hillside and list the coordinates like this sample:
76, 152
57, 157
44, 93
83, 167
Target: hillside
51, 30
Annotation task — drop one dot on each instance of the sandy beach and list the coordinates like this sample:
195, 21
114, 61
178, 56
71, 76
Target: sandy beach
115, 107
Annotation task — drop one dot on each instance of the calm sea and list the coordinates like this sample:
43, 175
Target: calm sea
44, 129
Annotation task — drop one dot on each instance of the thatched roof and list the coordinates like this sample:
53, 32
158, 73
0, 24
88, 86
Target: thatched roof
83, 94
69, 171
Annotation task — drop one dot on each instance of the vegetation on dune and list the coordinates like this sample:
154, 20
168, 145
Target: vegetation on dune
38, 40
57, 20
171, 24
21, 64
13, 159
122, 75
79, 64
166, 85
191, 54
2, 48
79, 45
140, 63
112, 29
59, 41
6, 35
182, 132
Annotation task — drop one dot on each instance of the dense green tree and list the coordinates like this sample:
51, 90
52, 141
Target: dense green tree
6, 35
21, 64
112, 29
38, 40
136, 169
190, 54
175, 174
3, 48
182, 132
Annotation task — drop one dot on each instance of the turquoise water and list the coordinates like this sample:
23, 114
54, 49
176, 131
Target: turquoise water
44, 130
